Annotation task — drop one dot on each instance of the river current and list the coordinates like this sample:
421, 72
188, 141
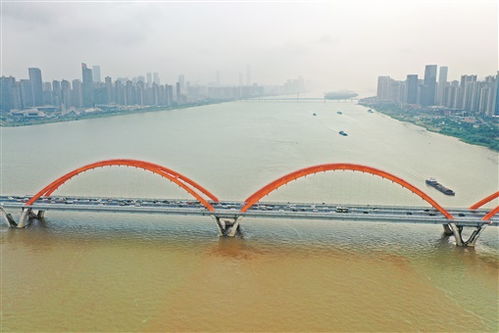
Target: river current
126, 272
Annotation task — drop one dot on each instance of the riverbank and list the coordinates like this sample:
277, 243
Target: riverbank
481, 131
11, 121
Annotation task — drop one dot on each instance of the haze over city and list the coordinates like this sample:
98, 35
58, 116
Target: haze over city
333, 45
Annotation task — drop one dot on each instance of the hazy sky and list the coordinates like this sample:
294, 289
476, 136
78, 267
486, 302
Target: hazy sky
342, 44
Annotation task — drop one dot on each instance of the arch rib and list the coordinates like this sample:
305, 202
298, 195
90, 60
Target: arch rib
491, 214
485, 200
169, 174
255, 197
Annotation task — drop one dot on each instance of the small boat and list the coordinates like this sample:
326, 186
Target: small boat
314, 114
339, 112
370, 111
343, 133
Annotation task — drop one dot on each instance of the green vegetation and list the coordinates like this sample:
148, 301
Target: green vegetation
473, 129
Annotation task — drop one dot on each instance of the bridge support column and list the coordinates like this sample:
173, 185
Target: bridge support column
457, 230
447, 230
228, 226
26, 213
7, 217
40, 215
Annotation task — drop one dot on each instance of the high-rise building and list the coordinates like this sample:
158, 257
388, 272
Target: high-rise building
148, 80
383, 91
96, 73
109, 89
7, 93
65, 95
467, 90
47, 93
181, 81
156, 78
56, 92
26, 93
178, 93
87, 85
77, 93
452, 95
442, 82
429, 85
35, 77
411, 86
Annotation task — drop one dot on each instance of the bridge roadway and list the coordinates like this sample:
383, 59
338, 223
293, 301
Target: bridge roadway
231, 209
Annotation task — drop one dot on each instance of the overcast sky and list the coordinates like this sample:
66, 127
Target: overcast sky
343, 44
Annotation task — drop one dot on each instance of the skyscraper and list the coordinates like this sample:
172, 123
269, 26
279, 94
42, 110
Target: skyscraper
96, 73
7, 92
109, 89
429, 85
442, 82
156, 78
411, 86
65, 95
26, 93
87, 86
76, 93
56, 92
384, 83
35, 77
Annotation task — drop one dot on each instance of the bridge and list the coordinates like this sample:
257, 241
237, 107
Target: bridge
228, 214
296, 99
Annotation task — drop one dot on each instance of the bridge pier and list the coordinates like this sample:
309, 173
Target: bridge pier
228, 226
447, 230
26, 215
40, 215
8, 219
457, 230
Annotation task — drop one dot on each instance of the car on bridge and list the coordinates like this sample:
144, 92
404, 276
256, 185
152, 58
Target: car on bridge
340, 209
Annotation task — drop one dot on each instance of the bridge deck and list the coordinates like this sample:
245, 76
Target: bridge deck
230, 209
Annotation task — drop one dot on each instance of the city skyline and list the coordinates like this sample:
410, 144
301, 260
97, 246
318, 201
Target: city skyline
34, 97
467, 94
317, 41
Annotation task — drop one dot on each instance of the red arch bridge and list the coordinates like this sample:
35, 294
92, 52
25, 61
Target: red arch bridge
228, 214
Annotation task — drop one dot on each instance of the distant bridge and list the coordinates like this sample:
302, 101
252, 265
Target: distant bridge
296, 99
229, 213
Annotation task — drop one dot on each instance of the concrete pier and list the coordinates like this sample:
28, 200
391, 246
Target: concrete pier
228, 227
25, 217
457, 230
8, 219
447, 230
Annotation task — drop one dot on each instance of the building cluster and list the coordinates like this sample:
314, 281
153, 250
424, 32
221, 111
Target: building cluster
468, 94
89, 93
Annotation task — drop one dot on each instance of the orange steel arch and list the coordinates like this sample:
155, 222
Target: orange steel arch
491, 214
255, 197
127, 162
169, 174
485, 200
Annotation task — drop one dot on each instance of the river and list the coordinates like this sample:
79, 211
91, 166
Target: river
120, 272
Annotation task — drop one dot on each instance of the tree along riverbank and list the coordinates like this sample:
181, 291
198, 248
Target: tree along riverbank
473, 129
12, 121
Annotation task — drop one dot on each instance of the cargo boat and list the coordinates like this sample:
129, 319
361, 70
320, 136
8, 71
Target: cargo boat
434, 183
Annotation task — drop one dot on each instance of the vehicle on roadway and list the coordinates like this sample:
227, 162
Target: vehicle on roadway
340, 209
